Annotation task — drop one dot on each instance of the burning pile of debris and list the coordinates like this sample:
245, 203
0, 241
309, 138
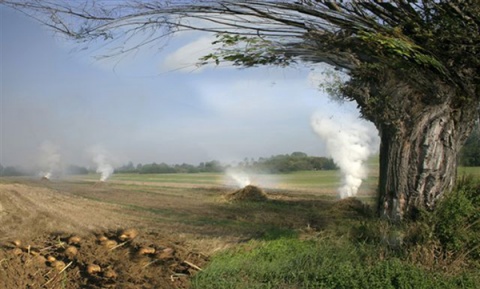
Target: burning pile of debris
248, 193
45, 179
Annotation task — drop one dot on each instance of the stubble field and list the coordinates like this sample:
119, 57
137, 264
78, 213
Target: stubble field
180, 221
185, 217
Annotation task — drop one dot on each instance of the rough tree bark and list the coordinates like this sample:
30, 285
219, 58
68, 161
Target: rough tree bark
421, 136
418, 161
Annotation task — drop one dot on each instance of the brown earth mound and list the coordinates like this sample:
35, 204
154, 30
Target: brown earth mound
106, 259
248, 193
351, 206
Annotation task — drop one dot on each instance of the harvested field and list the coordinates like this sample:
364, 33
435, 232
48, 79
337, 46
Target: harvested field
178, 227
52, 238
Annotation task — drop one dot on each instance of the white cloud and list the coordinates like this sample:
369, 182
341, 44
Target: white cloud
186, 58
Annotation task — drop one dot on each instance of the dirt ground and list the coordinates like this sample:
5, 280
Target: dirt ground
68, 233
53, 237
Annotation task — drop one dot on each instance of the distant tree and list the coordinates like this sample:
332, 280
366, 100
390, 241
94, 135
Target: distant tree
186, 168
299, 155
10, 171
76, 170
323, 163
213, 166
155, 168
297, 161
128, 168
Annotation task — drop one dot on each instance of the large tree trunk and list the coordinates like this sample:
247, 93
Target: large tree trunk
418, 159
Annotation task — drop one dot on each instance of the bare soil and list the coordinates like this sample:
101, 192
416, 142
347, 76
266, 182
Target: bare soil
179, 227
38, 220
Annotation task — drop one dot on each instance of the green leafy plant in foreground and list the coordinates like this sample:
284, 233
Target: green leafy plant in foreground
457, 219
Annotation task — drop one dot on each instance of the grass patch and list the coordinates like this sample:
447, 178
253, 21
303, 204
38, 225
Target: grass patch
356, 250
311, 179
198, 178
463, 172
289, 262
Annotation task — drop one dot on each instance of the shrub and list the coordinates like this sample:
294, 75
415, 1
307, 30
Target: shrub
457, 219
449, 237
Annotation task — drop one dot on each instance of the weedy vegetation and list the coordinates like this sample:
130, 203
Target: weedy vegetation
354, 249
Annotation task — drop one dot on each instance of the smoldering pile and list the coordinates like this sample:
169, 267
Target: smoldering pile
45, 179
99, 183
248, 193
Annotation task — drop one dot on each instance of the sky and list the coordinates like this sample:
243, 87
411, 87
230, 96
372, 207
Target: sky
61, 105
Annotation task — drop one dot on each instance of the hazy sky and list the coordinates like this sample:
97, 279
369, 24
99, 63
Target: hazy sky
143, 108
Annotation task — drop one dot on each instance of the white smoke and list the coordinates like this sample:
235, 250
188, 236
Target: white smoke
240, 178
103, 161
350, 141
103, 167
50, 159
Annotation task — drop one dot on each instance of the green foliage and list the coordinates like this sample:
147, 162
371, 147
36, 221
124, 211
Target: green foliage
297, 161
323, 263
294, 162
154, 168
401, 47
11, 171
439, 250
447, 238
247, 51
470, 153
457, 219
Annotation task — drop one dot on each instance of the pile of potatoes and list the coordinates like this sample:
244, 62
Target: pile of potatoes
63, 253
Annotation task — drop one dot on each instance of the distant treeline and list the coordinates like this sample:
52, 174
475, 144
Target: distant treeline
163, 168
11, 171
296, 161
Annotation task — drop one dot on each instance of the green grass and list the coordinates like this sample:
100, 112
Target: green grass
359, 251
310, 179
327, 262
469, 171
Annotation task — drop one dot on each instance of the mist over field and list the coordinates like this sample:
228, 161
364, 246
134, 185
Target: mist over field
61, 106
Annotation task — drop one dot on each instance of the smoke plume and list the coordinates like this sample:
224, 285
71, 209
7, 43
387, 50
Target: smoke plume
103, 167
49, 159
350, 142
240, 178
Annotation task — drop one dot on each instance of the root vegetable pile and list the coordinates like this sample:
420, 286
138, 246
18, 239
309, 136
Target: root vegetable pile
109, 259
